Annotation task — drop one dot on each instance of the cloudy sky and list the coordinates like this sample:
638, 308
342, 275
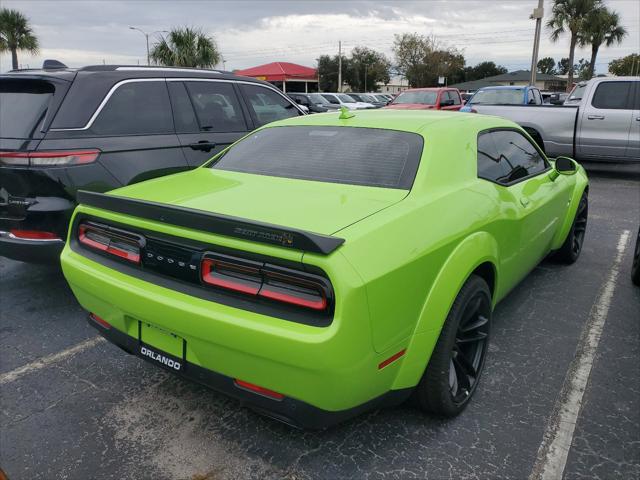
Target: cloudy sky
250, 33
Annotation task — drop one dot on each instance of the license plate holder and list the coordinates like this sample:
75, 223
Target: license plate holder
162, 347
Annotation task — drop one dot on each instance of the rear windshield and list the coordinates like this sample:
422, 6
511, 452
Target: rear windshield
423, 98
352, 155
23, 106
499, 97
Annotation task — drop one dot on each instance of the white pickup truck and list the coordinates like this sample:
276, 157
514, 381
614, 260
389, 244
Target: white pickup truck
603, 126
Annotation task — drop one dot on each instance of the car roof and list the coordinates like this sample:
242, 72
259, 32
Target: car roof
505, 87
414, 121
121, 72
427, 89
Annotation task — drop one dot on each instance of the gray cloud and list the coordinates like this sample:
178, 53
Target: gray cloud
254, 32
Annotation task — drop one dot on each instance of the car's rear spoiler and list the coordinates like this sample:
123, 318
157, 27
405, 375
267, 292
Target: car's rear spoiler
213, 223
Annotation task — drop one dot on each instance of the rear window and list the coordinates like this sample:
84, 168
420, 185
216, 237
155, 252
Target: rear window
23, 106
351, 155
498, 97
424, 98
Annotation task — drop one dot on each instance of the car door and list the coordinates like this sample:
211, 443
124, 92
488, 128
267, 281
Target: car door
454, 99
633, 147
133, 129
605, 122
208, 117
522, 172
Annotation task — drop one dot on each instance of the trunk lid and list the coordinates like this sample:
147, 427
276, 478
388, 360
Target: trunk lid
317, 207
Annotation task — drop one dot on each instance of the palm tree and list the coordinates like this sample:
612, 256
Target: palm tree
569, 15
186, 47
602, 26
16, 34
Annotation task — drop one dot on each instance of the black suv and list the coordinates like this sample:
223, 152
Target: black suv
101, 127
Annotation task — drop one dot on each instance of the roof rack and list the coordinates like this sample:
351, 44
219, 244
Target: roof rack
99, 68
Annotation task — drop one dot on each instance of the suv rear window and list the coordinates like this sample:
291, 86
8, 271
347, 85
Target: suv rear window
352, 155
23, 105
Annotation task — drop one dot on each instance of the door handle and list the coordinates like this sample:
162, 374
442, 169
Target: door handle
203, 145
524, 201
595, 117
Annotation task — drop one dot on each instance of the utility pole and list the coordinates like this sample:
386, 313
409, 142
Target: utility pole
339, 66
537, 14
365, 77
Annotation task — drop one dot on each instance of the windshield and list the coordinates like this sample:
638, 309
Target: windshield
346, 98
352, 155
317, 98
23, 105
511, 96
576, 94
423, 98
368, 98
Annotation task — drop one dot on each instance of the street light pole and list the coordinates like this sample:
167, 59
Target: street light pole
537, 14
146, 36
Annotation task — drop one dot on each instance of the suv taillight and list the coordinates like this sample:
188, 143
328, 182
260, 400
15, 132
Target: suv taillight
275, 283
118, 243
48, 159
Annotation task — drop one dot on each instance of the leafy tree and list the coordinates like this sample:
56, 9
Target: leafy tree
563, 66
483, 70
547, 65
602, 26
421, 60
569, 16
625, 66
186, 47
366, 68
583, 69
328, 72
16, 34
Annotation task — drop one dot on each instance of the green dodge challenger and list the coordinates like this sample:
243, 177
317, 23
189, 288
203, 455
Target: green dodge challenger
329, 264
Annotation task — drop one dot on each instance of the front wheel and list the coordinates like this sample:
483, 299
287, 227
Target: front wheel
570, 250
635, 268
453, 372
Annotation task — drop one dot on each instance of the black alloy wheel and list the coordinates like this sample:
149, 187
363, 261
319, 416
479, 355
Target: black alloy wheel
457, 361
572, 247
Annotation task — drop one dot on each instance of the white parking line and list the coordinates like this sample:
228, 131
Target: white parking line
49, 360
558, 436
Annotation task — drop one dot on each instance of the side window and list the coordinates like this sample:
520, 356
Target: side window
183, 114
491, 166
613, 95
530, 98
636, 105
505, 156
217, 107
266, 105
331, 99
136, 108
455, 97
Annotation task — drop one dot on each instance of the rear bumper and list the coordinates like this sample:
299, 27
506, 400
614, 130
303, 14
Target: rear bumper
32, 251
293, 412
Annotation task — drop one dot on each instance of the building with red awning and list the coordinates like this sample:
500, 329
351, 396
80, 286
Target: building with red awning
288, 77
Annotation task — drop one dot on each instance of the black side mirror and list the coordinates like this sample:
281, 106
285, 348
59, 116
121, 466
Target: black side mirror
446, 103
566, 166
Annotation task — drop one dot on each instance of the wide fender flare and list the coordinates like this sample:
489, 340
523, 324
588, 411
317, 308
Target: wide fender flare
581, 184
472, 252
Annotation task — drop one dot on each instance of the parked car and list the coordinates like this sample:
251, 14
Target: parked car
344, 100
305, 100
554, 98
366, 98
254, 275
427, 99
504, 95
382, 97
603, 126
102, 127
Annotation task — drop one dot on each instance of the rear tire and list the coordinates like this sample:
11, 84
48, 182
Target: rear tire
457, 361
570, 250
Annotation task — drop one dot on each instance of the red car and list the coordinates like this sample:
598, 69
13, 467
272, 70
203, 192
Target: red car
428, 99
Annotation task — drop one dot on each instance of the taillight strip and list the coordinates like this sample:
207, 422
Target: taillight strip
49, 158
132, 256
265, 392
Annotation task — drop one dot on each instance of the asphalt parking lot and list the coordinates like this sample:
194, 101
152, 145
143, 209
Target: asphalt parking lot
75, 407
